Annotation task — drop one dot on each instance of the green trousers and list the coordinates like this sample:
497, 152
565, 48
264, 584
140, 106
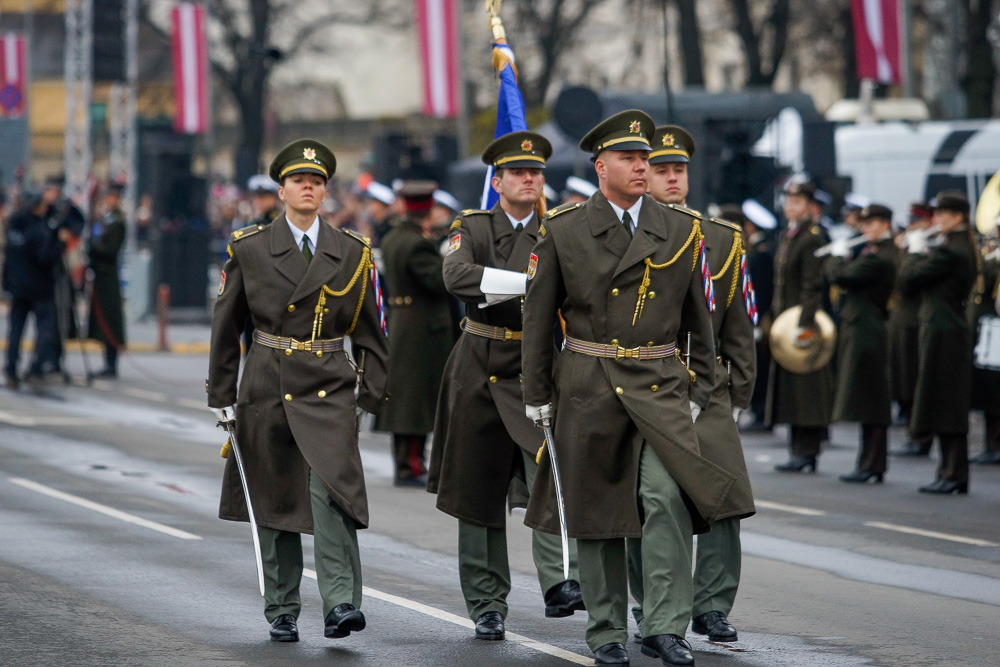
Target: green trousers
338, 562
665, 550
717, 565
483, 568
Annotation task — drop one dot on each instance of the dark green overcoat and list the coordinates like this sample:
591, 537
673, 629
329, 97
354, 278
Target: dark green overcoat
865, 284
904, 331
107, 319
590, 268
799, 399
480, 422
944, 277
985, 382
295, 412
420, 335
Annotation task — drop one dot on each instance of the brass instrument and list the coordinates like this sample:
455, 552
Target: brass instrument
825, 250
988, 208
801, 360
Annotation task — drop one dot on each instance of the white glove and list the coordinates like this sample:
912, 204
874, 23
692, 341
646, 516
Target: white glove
695, 410
537, 413
225, 414
804, 337
839, 248
736, 414
917, 241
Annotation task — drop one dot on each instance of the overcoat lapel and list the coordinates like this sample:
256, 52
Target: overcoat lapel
518, 260
291, 264
648, 236
604, 223
321, 267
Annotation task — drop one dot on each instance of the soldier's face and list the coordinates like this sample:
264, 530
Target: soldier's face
946, 220
796, 207
873, 228
668, 182
519, 186
623, 173
263, 202
303, 192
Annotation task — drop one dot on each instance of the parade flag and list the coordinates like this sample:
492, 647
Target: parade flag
510, 109
189, 48
876, 39
437, 22
13, 75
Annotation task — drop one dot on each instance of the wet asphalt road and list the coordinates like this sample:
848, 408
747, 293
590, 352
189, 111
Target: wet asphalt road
833, 574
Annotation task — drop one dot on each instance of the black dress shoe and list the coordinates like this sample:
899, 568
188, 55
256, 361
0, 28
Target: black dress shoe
563, 600
419, 481
343, 620
715, 625
946, 487
861, 476
911, 449
672, 650
489, 626
611, 654
284, 629
986, 457
797, 464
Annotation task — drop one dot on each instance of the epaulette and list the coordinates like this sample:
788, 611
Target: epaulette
358, 237
249, 230
725, 223
542, 231
455, 225
559, 210
475, 211
683, 209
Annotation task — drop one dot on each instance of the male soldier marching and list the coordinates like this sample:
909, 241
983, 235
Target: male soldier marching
626, 273
719, 554
306, 285
482, 439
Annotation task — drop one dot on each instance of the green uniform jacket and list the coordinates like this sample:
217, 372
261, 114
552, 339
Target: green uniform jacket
480, 418
904, 330
718, 435
420, 335
590, 268
985, 382
799, 399
295, 412
107, 319
944, 277
862, 342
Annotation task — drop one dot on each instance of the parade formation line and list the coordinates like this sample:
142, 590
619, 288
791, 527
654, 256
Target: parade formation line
931, 533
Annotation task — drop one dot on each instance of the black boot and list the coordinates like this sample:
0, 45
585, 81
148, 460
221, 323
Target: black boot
797, 464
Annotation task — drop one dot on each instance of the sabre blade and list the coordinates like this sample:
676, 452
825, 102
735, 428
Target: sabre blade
560, 506
230, 428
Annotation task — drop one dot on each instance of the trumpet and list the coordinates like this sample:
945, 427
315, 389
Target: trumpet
849, 243
929, 234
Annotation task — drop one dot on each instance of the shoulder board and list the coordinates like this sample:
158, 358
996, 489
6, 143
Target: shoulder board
689, 211
542, 231
455, 225
229, 250
559, 210
250, 230
725, 223
358, 237
475, 211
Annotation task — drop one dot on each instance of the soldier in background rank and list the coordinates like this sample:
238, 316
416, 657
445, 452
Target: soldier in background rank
758, 224
264, 199
626, 274
719, 553
483, 441
307, 286
986, 381
420, 332
865, 283
104, 246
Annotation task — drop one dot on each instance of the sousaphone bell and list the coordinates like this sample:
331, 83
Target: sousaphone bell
801, 360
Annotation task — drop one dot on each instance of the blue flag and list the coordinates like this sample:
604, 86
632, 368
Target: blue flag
510, 110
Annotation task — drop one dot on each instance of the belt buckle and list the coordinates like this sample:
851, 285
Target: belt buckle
508, 334
302, 346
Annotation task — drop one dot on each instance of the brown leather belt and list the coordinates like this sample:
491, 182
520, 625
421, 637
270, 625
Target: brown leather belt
616, 351
486, 331
290, 344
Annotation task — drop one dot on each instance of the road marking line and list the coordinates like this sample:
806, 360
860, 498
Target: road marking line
931, 533
762, 458
144, 394
194, 405
461, 621
804, 511
104, 509
15, 419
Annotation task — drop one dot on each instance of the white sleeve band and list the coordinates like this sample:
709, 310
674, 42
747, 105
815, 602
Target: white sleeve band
498, 281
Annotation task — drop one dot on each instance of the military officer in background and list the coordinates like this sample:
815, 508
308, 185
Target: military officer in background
865, 284
420, 334
758, 225
986, 381
626, 275
307, 286
264, 199
944, 274
482, 439
104, 246
719, 553
804, 401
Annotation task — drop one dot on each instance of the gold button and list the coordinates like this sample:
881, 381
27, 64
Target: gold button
288, 397
493, 379
322, 393
291, 308
614, 341
619, 391
288, 352
326, 311
652, 295
319, 353
649, 344
614, 292
654, 387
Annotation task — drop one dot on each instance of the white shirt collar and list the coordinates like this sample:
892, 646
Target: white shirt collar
633, 212
312, 233
514, 223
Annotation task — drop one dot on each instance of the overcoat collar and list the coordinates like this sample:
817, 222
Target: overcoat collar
306, 276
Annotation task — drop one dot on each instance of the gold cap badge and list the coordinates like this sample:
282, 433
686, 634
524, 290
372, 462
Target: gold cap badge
634, 127
668, 140
309, 153
526, 145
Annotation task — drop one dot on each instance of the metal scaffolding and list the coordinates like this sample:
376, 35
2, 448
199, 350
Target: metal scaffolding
79, 90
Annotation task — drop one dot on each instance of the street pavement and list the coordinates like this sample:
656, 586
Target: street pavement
112, 554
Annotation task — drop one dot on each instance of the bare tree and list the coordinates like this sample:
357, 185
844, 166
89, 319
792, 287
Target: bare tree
690, 34
979, 81
764, 41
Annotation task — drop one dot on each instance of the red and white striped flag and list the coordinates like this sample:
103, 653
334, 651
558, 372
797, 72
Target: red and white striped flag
876, 39
437, 22
190, 55
13, 75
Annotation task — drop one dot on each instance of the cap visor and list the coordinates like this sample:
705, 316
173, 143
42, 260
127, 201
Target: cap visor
664, 159
521, 164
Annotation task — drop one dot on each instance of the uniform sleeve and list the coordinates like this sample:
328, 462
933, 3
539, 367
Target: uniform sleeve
862, 272
369, 337
811, 280
424, 266
107, 246
462, 275
545, 294
736, 345
696, 319
228, 319
923, 270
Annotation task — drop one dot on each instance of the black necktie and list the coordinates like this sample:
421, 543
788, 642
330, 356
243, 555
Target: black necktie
306, 252
627, 221
518, 227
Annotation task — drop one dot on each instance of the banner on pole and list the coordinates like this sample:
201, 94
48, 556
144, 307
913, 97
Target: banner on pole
876, 39
189, 48
437, 23
13, 75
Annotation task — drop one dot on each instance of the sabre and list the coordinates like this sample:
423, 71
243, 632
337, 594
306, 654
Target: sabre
360, 372
230, 428
560, 506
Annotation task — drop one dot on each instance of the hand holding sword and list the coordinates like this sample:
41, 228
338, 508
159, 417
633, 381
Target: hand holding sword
542, 416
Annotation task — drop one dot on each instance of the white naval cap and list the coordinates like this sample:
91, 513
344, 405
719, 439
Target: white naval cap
447, 200
582, 187
380, 193
758, 215
259, 182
